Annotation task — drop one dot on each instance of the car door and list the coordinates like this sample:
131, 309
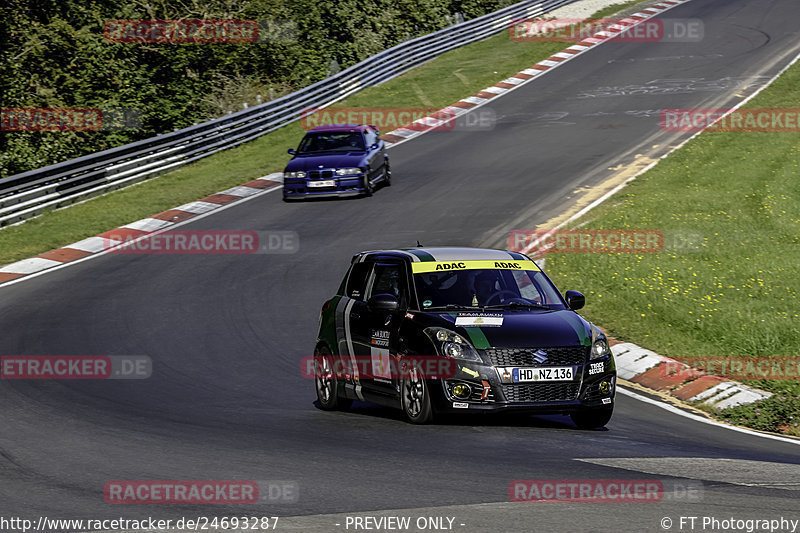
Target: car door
351, 312
375, 159
376, 333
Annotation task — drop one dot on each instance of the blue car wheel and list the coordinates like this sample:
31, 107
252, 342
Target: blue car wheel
368, 187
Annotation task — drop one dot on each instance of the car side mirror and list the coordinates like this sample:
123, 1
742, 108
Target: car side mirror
383, 302
575, 300
291, 151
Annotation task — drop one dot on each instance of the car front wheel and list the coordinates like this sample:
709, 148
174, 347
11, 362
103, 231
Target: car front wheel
416, 399
368, 187
387, 174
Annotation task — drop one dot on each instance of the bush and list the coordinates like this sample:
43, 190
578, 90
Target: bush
55, 55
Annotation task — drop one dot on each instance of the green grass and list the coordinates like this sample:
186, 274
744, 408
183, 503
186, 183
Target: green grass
736, 295
779, 414
438, 83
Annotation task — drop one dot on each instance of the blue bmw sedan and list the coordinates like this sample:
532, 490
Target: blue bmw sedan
337, 160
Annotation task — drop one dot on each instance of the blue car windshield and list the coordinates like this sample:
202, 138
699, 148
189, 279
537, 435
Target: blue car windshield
486, 287
331, 142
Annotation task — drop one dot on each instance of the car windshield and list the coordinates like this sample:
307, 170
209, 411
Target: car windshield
331, 142
490, 287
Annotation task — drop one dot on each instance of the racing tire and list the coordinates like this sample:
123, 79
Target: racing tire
592, 418
368, 187
326, 384
387, 175
415, 398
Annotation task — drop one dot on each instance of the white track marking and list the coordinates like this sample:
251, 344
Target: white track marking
698, 418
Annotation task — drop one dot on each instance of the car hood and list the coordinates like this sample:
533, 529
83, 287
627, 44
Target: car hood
315, 161
520, 329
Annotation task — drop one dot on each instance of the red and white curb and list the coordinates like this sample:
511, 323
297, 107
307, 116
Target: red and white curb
653, 371
444, 117
159, 222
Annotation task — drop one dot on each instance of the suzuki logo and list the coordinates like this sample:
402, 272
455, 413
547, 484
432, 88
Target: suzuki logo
540, 356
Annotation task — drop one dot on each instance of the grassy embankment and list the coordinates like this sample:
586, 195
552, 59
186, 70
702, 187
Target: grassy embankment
737, 295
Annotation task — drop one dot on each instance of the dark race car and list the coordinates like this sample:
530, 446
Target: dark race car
437, 330
337, 160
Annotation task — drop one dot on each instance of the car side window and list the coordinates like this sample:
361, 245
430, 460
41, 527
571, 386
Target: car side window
387, 278
372, 138
357, 281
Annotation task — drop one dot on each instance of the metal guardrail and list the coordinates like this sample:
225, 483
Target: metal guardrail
28, 194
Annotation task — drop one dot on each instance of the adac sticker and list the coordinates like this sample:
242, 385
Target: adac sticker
445, 266
491, 320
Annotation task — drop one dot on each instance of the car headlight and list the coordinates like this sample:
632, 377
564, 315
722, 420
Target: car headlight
347, 171
600, 347
451, 344
296, 174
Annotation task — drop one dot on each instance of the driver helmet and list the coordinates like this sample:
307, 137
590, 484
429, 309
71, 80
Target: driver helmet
484, 285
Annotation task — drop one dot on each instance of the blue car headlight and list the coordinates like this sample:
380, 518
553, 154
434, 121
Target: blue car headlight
295, 174
348, 171
451, 344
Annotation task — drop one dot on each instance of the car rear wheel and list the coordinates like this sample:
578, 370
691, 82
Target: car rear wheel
592, 418
326, 384
416, 399
387, 174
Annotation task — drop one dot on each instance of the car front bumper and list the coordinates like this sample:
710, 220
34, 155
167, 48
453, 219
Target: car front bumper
344, 186
490, 393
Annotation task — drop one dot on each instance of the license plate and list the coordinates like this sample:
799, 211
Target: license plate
325, 183
550, 373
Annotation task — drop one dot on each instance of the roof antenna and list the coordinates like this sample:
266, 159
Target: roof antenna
418, 244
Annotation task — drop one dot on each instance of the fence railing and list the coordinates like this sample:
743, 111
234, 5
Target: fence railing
28, 194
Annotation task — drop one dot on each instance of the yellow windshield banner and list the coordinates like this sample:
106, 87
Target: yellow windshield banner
446, 266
